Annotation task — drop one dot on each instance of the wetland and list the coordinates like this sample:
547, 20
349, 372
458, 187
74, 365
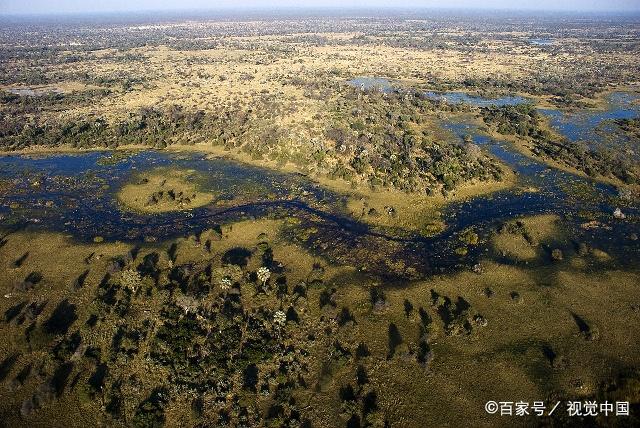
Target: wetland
317, 221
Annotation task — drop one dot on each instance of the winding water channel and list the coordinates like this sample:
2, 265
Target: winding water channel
75, 194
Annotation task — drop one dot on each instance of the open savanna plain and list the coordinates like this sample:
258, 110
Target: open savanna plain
289, 221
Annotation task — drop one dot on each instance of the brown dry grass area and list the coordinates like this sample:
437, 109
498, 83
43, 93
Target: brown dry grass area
193, 78
158, 185
538, 229
412, 212
242, 68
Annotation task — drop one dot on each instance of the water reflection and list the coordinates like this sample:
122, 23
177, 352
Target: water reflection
461, 97
583, 125
75, 194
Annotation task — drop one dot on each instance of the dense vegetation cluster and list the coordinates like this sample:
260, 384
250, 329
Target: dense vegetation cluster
231, 340
631, 127
525, 121
383, 138
70, 88
375, 138
324, 320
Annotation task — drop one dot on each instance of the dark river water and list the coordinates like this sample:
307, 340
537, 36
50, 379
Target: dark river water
75, 194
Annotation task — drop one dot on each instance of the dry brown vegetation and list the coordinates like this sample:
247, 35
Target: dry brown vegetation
253, 323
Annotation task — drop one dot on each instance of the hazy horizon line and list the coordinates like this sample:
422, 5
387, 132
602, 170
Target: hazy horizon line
275, 9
